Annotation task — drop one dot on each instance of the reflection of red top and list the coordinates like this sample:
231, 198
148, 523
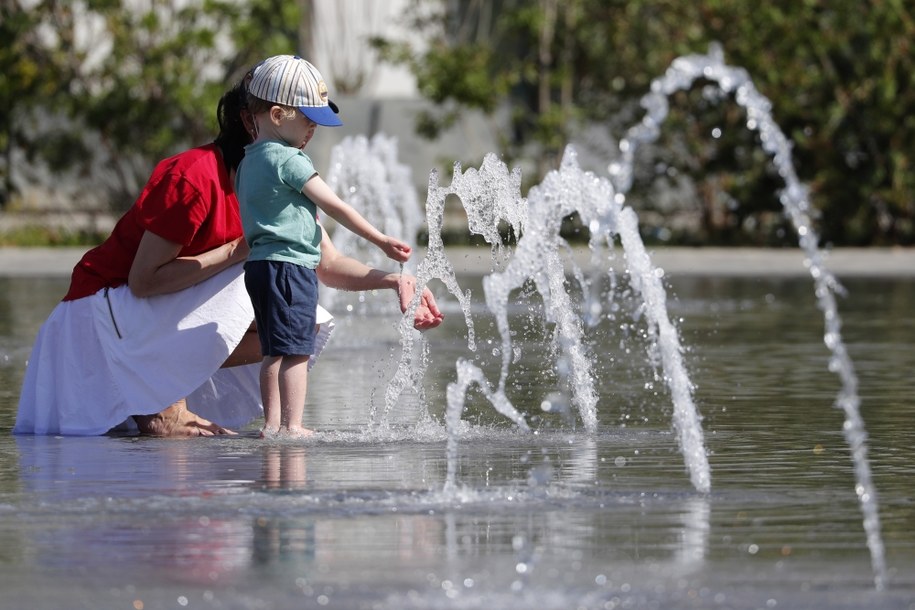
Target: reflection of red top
188, 200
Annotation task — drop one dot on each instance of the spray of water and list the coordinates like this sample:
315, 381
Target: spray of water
491, 197
537, 259
681, 75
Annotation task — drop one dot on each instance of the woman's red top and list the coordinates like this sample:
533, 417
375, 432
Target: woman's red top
188, 200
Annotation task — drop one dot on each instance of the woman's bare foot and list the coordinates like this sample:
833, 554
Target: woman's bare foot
176, 420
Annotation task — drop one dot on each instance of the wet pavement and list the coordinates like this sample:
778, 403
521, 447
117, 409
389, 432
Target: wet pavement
781, 262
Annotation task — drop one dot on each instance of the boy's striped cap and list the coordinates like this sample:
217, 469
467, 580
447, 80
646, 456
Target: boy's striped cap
291, 81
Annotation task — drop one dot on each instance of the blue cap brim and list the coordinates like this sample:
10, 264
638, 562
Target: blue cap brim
322, 115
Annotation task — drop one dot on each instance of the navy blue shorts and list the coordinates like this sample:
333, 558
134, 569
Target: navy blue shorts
285, 297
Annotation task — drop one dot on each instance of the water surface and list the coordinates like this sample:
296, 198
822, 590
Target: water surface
558, 518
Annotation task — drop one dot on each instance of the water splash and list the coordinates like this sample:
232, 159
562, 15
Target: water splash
680, 76
537, 259
491, 196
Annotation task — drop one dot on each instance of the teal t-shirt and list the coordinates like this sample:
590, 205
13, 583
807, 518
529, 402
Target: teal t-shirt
280, 223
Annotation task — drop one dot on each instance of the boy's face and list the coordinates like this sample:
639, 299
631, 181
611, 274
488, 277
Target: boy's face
298, 130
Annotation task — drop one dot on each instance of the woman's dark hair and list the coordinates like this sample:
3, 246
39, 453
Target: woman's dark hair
233, 135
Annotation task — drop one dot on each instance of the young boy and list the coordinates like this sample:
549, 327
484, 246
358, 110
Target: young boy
279, 192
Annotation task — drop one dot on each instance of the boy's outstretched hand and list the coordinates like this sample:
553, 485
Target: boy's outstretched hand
395, 249
427, 314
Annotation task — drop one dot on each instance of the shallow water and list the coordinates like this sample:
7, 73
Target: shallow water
358, 517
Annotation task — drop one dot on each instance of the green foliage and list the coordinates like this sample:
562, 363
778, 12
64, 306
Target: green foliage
144, 78
40, 235
27, 73
839, 74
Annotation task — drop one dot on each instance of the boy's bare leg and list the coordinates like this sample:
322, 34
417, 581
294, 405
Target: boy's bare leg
270, 395
293, 385
176, 420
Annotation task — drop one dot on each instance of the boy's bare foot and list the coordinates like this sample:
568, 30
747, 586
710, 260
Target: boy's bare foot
176, 420
296, 432
269, 432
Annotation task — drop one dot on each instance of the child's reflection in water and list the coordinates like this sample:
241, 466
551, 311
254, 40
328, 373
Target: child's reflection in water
282, 538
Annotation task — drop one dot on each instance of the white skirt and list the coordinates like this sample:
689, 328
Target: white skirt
100, 359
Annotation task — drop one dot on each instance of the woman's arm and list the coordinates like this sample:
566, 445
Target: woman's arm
157, 268
344, 273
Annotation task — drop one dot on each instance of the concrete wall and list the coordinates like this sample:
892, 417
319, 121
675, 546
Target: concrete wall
467, 142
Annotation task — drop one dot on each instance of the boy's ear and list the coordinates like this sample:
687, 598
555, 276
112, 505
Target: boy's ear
248, 121
277, 115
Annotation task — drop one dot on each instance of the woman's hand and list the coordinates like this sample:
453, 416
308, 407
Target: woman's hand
427, 314
346, 273
240, 250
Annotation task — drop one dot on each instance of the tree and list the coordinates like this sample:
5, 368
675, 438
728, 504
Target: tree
30, 74
839, 74
132, 81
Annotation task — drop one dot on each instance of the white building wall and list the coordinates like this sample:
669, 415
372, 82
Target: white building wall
341, 51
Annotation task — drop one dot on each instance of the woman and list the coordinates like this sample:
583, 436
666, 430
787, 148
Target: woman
156, 324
